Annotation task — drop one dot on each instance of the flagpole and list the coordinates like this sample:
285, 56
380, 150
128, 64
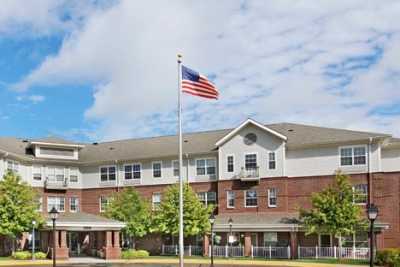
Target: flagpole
181, 248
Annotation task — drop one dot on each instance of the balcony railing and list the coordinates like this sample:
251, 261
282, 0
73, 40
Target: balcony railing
249, 174
56, 184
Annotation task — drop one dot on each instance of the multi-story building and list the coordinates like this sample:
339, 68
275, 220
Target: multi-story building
257, 175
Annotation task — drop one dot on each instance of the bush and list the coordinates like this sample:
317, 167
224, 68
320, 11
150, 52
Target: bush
388, 257
40, 255
134, 254
22, 255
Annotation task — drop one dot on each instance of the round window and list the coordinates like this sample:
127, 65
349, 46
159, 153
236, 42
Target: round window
250, 139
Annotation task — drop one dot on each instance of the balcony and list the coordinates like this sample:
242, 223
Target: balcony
249, 174
57, 184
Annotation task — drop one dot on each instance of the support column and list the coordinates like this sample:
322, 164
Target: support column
116, 239
110, 251
62, 251
206, 243
293, 245
247, 244
108, 239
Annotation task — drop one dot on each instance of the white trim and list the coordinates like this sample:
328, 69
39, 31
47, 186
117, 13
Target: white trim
108, 174
352, 155
161, 169
152, 199
172, 166
269, 160
245, 123
78, 206
206, 173
131, 164
276, 196
55, 196
41, 172
244, 195
227, 199
249, 153
56, 144
226, 157
108, 199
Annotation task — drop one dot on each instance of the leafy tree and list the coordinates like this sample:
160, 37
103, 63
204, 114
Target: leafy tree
127, 206
333, 210
19, 205
195, 214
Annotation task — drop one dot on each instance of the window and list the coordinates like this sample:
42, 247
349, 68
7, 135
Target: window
271, 161
251, 161
208, 198
73, 175
37, 173
272, 198
40, 204
156, 201
230, 164
12, 165
350, 156
175, 167
251, 198
57, 202
359, 239
230, 199
205, 166
157, 169
104, 201
107, 173
73, 204
360, 194
133, 171
55, 174
270, 238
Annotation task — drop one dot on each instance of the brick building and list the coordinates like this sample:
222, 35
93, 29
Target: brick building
257, 176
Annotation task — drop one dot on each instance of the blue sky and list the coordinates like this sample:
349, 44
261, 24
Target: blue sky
103, 70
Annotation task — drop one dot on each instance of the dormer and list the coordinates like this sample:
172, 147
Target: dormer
55, 148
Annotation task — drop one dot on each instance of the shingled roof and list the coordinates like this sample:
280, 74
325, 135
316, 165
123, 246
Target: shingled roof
298, 135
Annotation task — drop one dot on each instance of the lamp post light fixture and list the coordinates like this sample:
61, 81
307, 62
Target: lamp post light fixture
54, 215
230, 239
372, 212
212, 221
33, 239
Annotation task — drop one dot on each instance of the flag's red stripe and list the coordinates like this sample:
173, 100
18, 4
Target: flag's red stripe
195, 88
203, 85
205, 80
197, 93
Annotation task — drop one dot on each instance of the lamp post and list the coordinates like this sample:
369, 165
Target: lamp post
212, 221
372, 212
230, 239
33, 239
54, 215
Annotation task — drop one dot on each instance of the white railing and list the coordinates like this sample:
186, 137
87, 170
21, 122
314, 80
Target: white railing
56, 184
227, 251
250, 174
333, 252
271, 252
174, 250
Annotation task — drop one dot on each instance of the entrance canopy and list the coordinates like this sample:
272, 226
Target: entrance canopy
80, 221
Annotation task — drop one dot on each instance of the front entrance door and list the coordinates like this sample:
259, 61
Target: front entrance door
74, 244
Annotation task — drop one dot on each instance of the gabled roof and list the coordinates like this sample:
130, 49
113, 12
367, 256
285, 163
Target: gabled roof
243, 125
56, 142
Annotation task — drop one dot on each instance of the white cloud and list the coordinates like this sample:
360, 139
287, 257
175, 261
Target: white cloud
273, 60
35, 99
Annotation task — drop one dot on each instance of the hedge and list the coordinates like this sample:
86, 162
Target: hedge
26, 255
134, 254
388, 257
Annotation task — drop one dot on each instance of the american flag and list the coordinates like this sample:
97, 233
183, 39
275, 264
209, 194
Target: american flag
195, 84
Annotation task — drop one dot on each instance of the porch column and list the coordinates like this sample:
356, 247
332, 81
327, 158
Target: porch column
63, 243
108, 239
293, 245
206, 243
62, 251
116, 239
247, 244
110, 251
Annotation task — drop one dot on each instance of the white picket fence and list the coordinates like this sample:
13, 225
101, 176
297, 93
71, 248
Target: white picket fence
227, 251
271, 252
333, 252
174, 250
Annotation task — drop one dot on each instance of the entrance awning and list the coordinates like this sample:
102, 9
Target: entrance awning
80, 221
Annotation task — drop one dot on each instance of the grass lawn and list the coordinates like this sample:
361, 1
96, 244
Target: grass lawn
4, 258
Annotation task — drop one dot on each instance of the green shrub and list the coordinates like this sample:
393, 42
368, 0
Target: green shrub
134, 254
388, 257
22, 255
40, 255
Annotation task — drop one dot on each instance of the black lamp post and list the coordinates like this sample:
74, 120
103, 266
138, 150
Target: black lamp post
212, 221
33, 239
372, 212
54, 215
230, 239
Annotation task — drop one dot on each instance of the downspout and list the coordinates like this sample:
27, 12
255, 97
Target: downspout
117, 173
369, 176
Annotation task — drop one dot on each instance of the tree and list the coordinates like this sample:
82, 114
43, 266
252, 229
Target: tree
127, 206
19, 205
333, 210
196, 214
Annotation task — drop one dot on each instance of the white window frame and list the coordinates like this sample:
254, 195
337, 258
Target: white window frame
107, 198
108, 174
56, 197
33, 172
270, 197
77, 204
71, 170
153, 203
272, 234
206, 197
270, 161
40, 208
245, 202
352, 155
354, 194
206, 166
14, 165
244, 159
133, 172
173, 167
228, 198
161, 169
233, 163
